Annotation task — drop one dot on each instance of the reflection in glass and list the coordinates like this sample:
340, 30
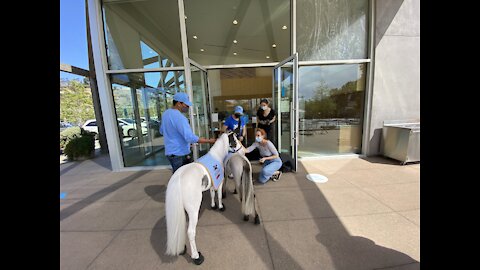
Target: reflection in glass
142, 34
331, 101
140, 99
201, 112
239, 86
284, 96
332, 29
214, 39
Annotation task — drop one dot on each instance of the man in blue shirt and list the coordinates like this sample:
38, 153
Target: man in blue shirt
236, 124
177, 133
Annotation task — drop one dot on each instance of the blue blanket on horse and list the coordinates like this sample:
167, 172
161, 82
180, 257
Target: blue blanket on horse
214, 168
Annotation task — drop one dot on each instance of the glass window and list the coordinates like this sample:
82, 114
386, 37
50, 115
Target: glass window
239, 86
223, 32
331, 102
91, 124
332, 30
142, 34
140, 99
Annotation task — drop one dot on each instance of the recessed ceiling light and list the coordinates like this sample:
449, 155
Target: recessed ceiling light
235, 22
234, 53
284, 27
267, 57
185, 17
274, 45
195, 37
202, 50
235, 41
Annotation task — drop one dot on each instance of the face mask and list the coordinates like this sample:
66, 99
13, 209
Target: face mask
264, 107
185, 109
259, 139
238, 115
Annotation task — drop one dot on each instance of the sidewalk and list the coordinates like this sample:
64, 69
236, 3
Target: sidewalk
367, 216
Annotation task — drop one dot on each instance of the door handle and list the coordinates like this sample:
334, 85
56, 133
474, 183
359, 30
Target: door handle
292, 130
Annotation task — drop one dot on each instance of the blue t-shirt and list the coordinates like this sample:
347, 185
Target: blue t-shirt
177, 133
232, 124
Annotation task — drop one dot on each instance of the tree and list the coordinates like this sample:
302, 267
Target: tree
76, 105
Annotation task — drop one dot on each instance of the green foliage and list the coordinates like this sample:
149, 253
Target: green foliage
80, 147
76, 105
343, 102
124, 104
71, 133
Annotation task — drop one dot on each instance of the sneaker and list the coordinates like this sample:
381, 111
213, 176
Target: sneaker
276, 176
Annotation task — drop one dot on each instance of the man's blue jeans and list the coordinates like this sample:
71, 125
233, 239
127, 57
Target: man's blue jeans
269, 167
179, 161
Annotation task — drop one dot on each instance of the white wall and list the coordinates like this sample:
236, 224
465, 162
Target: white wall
396, 81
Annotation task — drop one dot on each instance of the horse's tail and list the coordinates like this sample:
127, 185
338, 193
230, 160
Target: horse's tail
248, 199
175, 215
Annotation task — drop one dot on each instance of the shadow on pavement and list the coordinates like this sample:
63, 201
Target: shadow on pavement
345, 251
68, 166
158, 237
356, 252
388, 161
74, 208
102, 160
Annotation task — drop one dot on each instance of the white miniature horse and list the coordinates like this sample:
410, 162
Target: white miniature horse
241, 168
184, 193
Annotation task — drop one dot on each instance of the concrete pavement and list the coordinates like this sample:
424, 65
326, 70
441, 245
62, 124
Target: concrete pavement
367, 216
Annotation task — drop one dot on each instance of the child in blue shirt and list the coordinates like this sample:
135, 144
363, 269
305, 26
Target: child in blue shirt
236, 124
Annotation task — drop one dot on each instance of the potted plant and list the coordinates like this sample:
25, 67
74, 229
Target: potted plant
81, 147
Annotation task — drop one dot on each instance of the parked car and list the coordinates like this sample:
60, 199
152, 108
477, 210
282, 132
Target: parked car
127, 129
154, 125
91, 125
64, 125
130, 128
132, 121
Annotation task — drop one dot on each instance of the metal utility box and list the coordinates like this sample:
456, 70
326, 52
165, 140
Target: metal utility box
401, 140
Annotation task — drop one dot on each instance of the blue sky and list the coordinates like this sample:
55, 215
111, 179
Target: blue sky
73, 41
73, 35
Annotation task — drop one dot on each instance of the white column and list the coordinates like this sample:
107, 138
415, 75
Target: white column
104, 86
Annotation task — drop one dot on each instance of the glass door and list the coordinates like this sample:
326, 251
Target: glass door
200, 113
285, 103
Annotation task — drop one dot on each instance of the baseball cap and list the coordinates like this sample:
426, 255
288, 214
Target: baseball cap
239, 109
182, 97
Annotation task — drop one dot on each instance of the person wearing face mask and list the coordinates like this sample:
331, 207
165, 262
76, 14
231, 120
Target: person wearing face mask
265, 117
270, 157
235, 123
177, 133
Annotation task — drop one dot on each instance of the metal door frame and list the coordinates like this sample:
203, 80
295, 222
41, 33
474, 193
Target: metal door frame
294, 116
189, 86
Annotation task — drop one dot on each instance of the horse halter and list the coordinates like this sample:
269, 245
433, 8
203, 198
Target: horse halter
232, 143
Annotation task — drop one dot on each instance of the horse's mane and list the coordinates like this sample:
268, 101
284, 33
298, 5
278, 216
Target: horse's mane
220, 148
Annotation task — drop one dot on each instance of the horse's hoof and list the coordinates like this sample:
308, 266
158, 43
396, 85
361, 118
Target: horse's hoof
213, 207
184, 251
223, 208
246, 217
199, 260
257, 220
235, 191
